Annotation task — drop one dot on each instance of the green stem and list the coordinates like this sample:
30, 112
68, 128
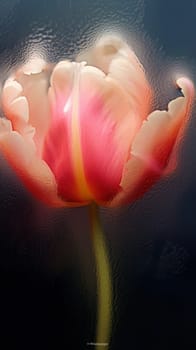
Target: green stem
104, 283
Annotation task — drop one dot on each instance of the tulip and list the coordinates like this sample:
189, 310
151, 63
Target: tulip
84, 131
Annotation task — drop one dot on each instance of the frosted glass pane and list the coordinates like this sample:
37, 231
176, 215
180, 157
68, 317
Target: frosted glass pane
48, 290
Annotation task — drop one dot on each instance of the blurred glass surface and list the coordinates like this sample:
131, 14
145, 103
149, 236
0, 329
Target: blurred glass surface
48, 286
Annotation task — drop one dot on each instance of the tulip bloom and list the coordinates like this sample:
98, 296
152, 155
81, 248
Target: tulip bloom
84, 131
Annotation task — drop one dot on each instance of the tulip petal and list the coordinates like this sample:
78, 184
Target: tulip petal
20, 108
16, 110
33, 79
84, 101
130, 75
153, 146
34, 65
34, 172
107, 130
61, 79
102, 53
114, 57
5, 126
11, 91
161, 131
57, 151
188, 90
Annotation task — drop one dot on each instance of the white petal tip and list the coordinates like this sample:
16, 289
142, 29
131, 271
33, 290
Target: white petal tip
186, 85
5, 126
20, 108
62, 71
34, 66
12, 89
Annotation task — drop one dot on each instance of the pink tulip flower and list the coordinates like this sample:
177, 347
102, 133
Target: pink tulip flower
85, 131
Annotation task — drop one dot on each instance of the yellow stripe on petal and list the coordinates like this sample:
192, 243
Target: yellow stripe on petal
78, 165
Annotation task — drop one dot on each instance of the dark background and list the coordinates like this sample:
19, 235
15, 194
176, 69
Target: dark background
47, 274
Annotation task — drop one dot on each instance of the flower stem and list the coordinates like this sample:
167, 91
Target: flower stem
104, 284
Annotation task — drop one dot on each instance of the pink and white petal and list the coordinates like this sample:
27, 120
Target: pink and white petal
33, 172
107, 125
57, 150
61, 82
116, 59
108, 47
5, 126
34, 65
101, 54
163, 129
34, 79
137, 179
16, 110
35, 89
153, 146
188, 91
15, 105
11, 91
62, 77
129, 74
77, 91
19, 108
18, 113
127, 70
